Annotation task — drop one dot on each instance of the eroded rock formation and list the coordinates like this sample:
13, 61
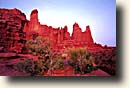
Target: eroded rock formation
59, 37
16, 30
12, 37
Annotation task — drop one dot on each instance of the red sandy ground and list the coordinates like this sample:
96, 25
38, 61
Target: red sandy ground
68, 70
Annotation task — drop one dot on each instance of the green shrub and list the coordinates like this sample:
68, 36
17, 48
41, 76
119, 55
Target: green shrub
32, 67
40, 46
81, 60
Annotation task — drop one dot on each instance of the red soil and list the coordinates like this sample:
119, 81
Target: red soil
68, 71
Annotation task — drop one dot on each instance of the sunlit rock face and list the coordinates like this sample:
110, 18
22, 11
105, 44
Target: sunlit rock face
34, 22
59, 37
32, 27
16, 30
12, 37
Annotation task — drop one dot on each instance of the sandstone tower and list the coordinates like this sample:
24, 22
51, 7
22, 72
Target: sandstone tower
18, 27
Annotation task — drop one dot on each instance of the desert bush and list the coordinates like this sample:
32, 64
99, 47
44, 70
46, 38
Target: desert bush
39, 46
32, 67
25, 66
58, 62
81, 60
106, 60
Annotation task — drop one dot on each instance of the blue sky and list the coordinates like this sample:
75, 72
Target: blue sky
99, 14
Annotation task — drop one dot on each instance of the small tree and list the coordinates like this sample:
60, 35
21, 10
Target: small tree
40, 46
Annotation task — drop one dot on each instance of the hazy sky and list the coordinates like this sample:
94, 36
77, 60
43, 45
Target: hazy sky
99, 14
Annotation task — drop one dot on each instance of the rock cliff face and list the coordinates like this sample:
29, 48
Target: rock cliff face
15, 30
59, 37
12, 37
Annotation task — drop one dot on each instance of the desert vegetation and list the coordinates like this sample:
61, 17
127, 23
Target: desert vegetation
81, 60
106, 60
73, 61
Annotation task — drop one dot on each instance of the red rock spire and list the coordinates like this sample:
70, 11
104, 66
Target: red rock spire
34, 22
34, 15
76, 34
89, 36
